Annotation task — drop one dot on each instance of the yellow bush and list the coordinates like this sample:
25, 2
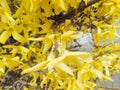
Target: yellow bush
34, 37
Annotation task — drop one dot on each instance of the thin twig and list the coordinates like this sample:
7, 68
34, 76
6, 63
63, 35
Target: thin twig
6, 74
107, 53
82, 7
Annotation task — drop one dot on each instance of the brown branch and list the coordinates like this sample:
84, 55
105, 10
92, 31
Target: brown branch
107, 53
82, 6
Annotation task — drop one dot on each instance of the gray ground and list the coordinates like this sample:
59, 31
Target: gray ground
86, 46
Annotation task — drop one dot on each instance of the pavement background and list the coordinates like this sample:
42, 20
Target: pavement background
86, 46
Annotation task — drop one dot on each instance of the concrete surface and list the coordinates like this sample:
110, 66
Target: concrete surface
86, 46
